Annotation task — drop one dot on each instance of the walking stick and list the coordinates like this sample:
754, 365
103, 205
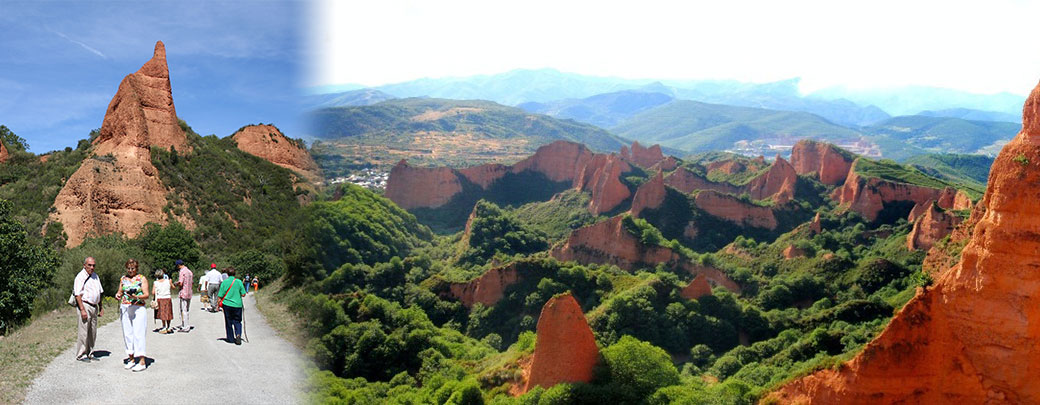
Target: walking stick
245, 336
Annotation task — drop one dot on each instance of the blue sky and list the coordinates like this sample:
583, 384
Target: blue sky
231, 63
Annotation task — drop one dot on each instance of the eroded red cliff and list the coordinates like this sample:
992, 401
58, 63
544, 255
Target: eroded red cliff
930, 227
778, 183
829, 164
3, 153
486, 289
421, 187
970, 338
686, 181
268, 143
697, 288
733, 209
118, 190
608, 242
565, 350
868, 195
646, 157
649, 195
601, 177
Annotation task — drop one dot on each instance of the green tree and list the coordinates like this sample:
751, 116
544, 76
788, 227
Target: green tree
12, 141
255, 263
24, 270
163, 245
639, 368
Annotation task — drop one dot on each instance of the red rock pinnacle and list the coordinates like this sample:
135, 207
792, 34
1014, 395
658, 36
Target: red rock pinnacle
565, 350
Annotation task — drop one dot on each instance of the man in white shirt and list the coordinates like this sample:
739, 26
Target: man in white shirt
87, 289
212, 286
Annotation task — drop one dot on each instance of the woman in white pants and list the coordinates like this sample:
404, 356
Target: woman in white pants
133, 290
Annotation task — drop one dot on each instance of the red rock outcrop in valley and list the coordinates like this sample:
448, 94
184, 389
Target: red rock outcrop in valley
417, 187
697, 288
602, 178
565, 350
830, 165
665, 165
559, 161
930, 227
815, 226
792, 252
972, 337
486, 289
608, 242
686, 181
961, 201
122, 193
268, 143
918, 210
734, 210
484, 175
3, 153
649, 195
867, 195
777, 183
646, 157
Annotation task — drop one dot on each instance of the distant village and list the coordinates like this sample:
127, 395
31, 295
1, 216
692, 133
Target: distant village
783, 146
368, 178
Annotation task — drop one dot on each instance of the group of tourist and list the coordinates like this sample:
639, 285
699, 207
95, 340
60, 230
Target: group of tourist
224, 290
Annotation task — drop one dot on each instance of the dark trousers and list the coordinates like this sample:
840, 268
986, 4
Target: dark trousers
232, 322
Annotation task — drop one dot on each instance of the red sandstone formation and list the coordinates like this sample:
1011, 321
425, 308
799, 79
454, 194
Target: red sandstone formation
486, 289
777, 183
484, 175
943, 257
715, 276
972, 337
734, 210
646, 157
649, 195
559, 161
608, 242
268, 143
727, 166
602, 178
121, 191
565, 350
665, 165
3, 153
686, 181
815, 226
792, 252
918, 210
697, 288
945, 199
867, 196
961, 201
416, 187
830, 165
931, 227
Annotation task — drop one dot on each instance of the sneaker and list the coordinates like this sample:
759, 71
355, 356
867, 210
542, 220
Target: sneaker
129, 365
83, 359
92, 358
184, 330
138, 367
238, 340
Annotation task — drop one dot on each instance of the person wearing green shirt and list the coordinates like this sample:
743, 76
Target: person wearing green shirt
231, 292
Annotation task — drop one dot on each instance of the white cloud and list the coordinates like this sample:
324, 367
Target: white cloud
975, 46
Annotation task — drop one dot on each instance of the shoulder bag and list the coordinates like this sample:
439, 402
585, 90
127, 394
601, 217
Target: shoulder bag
220, 299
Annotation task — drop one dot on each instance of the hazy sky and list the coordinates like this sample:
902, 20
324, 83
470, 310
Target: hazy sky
977, 46
231, 63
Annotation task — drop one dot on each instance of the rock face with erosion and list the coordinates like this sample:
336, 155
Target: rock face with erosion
777, 183
734, 210
869, 195
119, 189
421, 187
565, 350
3, 153
644, 157
830, 165
486, 289
697, 288
686, 181
602, 178
268, 143
649, 195
608, 242
972, 337
930, 227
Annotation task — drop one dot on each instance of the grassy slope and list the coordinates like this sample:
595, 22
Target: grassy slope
943, 134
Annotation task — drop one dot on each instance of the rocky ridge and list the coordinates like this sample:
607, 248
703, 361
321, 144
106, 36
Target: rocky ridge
970, 338
268, 143
930, 227
829, 164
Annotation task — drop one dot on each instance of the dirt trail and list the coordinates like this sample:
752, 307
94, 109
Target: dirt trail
194, 367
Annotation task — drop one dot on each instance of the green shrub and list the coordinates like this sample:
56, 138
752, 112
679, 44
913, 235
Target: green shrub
638, 368
25, 269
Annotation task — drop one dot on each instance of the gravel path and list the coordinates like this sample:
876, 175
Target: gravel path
194, 367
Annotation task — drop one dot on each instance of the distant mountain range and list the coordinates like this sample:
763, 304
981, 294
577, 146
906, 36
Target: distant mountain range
839, 105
